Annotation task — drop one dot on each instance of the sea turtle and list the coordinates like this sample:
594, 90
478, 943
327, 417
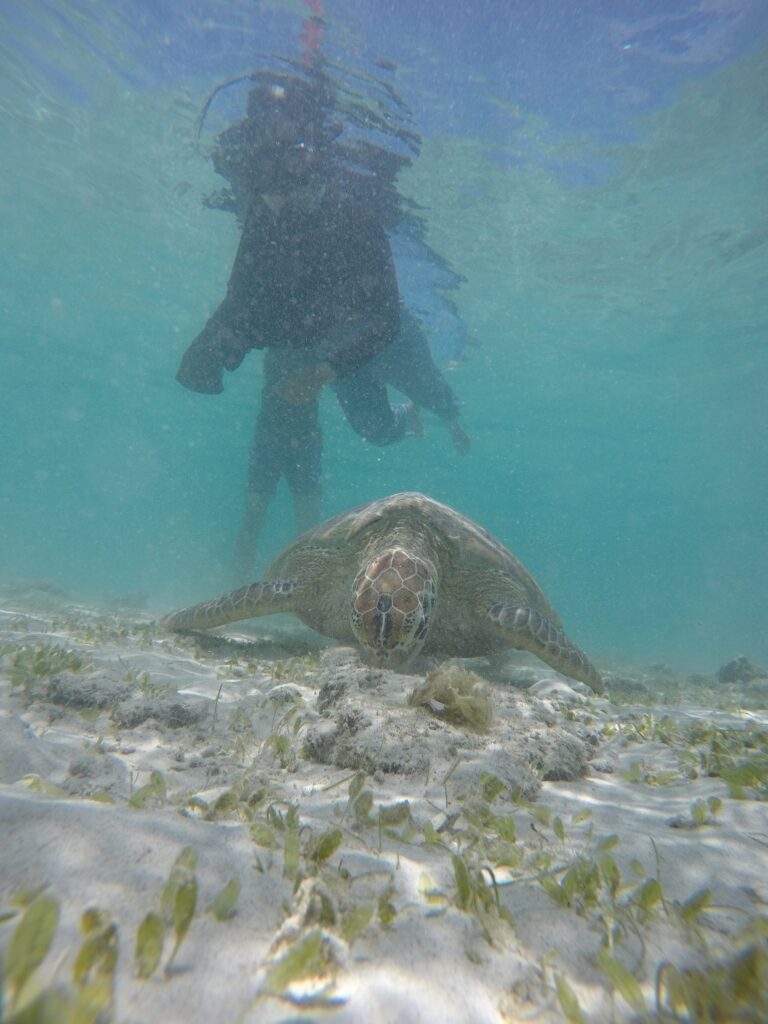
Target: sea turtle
401, 575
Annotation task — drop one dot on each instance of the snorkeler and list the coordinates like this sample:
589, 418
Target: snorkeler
313, 278
314, 284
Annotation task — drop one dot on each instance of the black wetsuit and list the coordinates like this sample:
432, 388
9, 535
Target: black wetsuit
313, 285
299, 275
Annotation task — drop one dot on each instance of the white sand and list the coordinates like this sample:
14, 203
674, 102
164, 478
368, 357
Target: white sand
432, 961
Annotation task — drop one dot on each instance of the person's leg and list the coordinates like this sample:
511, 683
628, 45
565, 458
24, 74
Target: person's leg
307, 506
251, 523
303, 469
366, 406
270, 451
408, 366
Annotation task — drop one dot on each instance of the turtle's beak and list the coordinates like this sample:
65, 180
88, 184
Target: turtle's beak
392, 600
393, 659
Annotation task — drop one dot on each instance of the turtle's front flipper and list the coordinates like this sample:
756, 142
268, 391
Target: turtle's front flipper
524, 627
246, 603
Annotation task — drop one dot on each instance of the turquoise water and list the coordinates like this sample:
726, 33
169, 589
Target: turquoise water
617, 398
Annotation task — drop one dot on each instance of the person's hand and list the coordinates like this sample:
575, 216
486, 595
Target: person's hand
200, 369
215, 349
462, 442
302, 385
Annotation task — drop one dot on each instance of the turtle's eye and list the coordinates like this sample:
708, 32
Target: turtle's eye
392, 600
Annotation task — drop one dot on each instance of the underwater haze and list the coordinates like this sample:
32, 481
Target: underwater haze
597, 175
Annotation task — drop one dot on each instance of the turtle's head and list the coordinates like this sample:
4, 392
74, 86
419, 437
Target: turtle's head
393, 598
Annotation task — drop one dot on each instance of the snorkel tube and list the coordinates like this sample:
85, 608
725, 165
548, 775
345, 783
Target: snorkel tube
311, 38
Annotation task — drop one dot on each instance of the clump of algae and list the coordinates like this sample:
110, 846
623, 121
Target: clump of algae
457, 696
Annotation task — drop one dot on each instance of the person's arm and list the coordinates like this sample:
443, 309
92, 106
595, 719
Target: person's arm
229, 334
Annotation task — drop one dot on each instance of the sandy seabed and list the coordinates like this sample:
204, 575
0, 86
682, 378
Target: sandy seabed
392, 865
